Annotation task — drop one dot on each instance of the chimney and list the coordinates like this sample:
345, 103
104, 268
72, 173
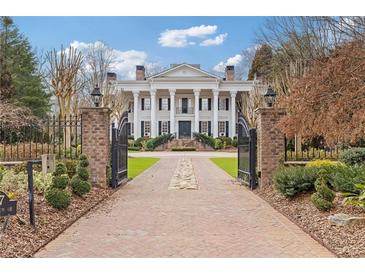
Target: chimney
230, 73
140, 73
111, 76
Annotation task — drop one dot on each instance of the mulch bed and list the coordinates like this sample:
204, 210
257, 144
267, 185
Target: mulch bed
22, 240
346, 241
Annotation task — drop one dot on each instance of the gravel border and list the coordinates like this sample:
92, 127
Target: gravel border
22, 240
348, 241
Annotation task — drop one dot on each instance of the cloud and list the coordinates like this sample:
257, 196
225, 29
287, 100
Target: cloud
124, 63
242, 62
214, 42
180, 38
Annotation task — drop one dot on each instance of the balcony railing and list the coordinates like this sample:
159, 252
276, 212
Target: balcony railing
180, 110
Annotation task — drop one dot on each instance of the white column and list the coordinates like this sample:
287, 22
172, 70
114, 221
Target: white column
172, 110
196, 110
136, 133
215, 112
153, 113
232, 131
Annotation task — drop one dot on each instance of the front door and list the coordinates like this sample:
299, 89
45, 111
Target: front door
184, 129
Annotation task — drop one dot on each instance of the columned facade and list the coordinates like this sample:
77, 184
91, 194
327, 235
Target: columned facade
182, 100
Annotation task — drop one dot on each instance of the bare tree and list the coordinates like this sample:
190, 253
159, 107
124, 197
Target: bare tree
249, 101
61, 74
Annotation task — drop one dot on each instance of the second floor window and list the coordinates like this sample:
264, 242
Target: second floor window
145, 104
164, 104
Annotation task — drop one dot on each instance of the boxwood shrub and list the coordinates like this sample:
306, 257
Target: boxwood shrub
58, 198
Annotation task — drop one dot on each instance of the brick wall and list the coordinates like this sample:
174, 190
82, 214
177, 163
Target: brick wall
270, 142
95, 142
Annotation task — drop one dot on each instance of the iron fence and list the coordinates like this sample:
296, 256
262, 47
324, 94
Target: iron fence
308, 152
61, 136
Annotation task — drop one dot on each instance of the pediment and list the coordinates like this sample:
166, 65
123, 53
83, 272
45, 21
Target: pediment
184, 71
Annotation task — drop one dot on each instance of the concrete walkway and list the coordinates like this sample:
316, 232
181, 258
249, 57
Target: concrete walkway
220, 219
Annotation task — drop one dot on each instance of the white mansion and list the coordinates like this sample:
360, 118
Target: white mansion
183, 99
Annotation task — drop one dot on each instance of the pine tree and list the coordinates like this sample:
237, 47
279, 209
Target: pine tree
17, 58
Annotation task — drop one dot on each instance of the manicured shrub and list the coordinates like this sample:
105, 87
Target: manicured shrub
205, 139
320, 203
60, 169
60, 181
234, 142
58, 198
324, 191
134, 148
79, 186
324, 197
83, 173
138, 142
293, 180
83, 161
218, 144
79, 183
353, 156
227, 140
71, 167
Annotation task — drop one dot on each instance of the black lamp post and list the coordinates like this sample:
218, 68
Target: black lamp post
96, 96
269, 96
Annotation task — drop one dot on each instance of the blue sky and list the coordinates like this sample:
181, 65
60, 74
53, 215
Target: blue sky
154, 41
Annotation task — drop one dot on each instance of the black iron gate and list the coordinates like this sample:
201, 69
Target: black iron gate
246, 153
120, 152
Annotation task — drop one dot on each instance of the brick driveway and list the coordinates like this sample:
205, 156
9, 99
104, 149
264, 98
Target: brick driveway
221, 219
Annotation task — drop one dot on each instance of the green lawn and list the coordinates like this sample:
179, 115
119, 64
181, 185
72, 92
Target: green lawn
229, 165
137, 165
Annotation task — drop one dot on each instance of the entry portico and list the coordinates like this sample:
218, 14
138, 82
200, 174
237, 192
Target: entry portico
181, 100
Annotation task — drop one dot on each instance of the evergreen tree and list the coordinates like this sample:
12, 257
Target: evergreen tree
17, 58
261, 63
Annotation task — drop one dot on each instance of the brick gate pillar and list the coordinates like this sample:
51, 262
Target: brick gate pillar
95, 142
270, 142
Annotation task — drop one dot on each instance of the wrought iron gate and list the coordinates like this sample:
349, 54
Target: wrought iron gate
246, 153
120, 152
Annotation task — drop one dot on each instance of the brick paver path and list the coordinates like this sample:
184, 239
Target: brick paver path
220, 219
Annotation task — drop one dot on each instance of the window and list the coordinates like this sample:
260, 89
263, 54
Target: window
147, 128
164, 127
204, 127
221, 105
164, 104
222, 128
205, 104
147, 104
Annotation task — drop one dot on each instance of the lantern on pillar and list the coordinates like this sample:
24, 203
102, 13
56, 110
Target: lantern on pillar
269, 96
96, 96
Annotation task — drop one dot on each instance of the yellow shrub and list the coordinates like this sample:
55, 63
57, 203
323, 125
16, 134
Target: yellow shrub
322, 163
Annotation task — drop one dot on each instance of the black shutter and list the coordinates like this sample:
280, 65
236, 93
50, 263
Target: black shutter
168, 125
169, 103
159, 127
227, 128
200, 103
159, 103
142, 104
209, 128
227, 104
200, 126
209, 103
142, 128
